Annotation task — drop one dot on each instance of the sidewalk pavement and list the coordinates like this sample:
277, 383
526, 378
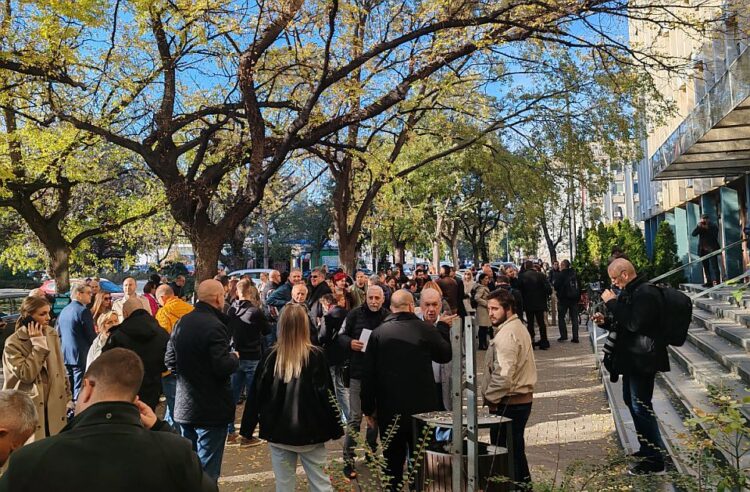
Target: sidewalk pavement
570, 422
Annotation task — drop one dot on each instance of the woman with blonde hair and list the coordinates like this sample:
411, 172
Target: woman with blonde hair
291, 400
33, 363
104, 324
102, 304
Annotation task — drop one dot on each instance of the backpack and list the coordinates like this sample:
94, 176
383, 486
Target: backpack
680, 313
570, 290
473, 297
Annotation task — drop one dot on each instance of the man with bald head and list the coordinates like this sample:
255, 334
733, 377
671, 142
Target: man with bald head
198, 353
397, 377
360, 323
431, 303
129, 287
141, 333
639, 352
171, 309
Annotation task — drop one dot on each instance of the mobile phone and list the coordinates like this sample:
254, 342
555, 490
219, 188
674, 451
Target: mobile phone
25, 321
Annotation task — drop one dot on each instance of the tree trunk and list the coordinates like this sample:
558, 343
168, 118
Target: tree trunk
207, 252
551, 245
399, 252
348, 254
60, 265
454, 251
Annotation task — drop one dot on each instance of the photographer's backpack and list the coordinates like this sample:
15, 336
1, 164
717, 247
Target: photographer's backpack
677, 313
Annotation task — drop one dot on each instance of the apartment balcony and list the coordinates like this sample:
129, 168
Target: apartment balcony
714, 140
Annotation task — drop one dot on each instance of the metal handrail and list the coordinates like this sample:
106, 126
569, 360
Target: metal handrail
720, 285
682, 267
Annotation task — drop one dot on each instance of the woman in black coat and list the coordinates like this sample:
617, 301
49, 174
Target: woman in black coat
292, 394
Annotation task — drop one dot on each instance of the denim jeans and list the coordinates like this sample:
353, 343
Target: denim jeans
571, 309
342, 393
519, 414
242, 377
75, 376
208, 444
169, 388
637, 392
355, 423
284, 463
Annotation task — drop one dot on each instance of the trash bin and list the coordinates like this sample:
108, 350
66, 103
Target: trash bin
436, 465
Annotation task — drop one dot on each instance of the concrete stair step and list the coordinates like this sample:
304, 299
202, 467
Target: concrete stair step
732, 357
707, 372
722, 310
736, 333
688, 396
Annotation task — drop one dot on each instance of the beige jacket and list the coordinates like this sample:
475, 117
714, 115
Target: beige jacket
26, 367
509, 366
119, 303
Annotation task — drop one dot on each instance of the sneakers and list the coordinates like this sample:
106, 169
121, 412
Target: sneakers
562, 339
574, 340
349, 472
647, 467
232, 439
250, 443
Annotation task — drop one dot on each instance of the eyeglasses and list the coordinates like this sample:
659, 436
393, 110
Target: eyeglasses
107, 298
616, 276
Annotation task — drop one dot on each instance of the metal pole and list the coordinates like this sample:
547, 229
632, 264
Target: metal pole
457, 393
472, 427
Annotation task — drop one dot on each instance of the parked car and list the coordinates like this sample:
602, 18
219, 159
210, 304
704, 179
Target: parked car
49, 287
253, 272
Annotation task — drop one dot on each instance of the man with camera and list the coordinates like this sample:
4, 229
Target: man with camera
639, 352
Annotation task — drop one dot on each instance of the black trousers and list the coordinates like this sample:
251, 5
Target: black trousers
519, 415
398, 449
571, 308
484, 333
539, 317
711, 269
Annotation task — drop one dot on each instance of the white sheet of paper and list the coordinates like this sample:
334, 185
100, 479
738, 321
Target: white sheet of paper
364, 337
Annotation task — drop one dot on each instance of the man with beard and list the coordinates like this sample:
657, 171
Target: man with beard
509, 377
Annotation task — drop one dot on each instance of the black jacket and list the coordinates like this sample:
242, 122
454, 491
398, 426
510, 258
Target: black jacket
296, 413
535, 289
141, 333
517, 296
398, 377
313, 301
198, 353
708, 238
636, 317
356, 321
329, 336
247, 324
106, 447
563, 278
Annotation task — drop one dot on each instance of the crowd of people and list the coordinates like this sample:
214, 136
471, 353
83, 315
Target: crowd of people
283, 345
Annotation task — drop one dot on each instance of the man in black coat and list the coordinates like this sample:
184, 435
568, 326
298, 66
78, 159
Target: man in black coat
115, 442
536, 291
398, 380
708, 242
141, 333
198, 353
639, 353
368, 316
318, 288
568, 295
